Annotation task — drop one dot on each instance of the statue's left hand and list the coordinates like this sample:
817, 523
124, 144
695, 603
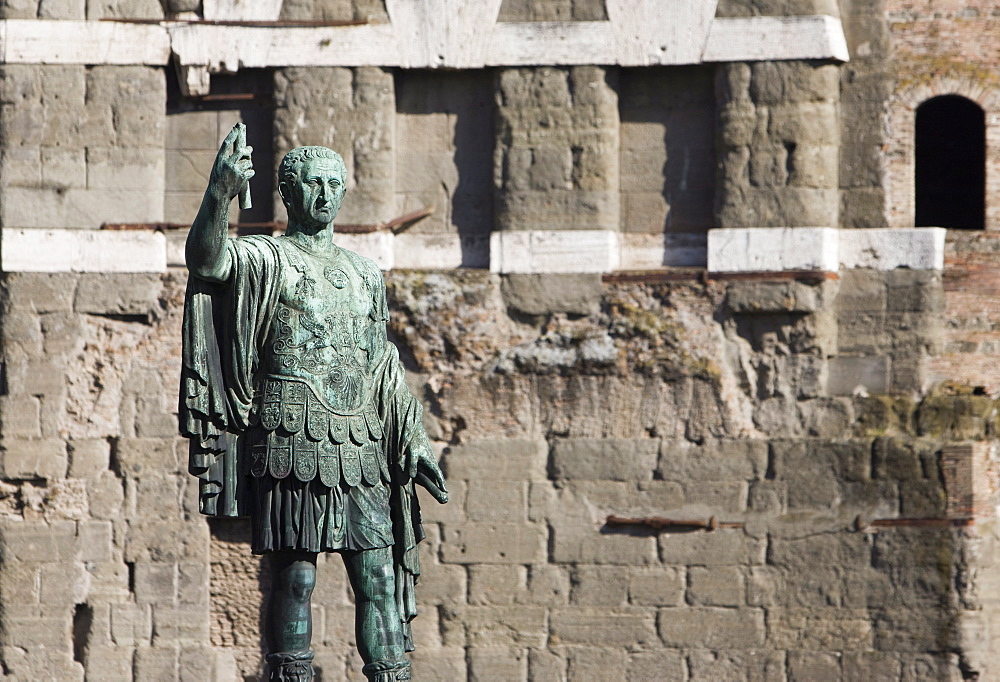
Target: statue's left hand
424, 470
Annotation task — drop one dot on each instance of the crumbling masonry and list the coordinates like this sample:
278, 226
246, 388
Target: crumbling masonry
673, 269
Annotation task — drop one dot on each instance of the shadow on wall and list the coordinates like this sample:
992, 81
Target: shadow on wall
444, 131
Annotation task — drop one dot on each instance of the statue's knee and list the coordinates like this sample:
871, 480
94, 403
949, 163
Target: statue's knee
300, 583
378, 582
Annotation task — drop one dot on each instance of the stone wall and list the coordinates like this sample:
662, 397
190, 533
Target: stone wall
838, 429
779, 144
678, 399
81, 145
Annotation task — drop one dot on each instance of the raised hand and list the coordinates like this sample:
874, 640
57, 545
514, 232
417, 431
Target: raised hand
233, 166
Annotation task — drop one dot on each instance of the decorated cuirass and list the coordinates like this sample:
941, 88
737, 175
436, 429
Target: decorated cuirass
314, 404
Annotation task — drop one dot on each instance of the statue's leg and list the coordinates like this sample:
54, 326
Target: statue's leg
288, 627
379, 631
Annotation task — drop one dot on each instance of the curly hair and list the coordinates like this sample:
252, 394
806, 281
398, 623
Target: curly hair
288, 170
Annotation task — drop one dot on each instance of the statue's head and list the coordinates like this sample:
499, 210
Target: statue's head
312, 182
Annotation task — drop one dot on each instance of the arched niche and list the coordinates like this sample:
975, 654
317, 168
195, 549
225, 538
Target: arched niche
950, 163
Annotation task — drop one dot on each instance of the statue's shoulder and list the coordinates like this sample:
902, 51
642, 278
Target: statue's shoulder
263, 243
365, 266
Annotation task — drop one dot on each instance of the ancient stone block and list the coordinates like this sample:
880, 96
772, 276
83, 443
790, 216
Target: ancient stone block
156, 663
599, 586
512, 460
663, 665
793, 81
95, 540
712, 628
497, 501
623, 626
572, 543
735, 664
44, 376
820, 629
187, 624
493, 543
595, 662
725, 548
166, 541
443, 584
32, 292
442, 664
611, 459
656, 587
873, 665
38, 541
772, 297
61, 584
88, 457
19, 416
105, 495
847, 374
741, 459
155, 583
35, 458
496, 584
117, 294
799, 554
109, 663
63, 167
716, 586
543, 294
492, 626
504, 663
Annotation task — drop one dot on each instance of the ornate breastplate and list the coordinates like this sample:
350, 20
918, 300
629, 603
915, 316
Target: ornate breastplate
323, 332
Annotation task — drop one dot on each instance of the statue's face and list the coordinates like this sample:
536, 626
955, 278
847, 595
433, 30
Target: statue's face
319, 193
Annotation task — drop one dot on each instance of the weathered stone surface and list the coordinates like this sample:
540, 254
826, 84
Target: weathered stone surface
767, 297
615, 460
577, 294
604, 626
716, 586
492, 626
559, 164
106, 294
713, 628
496, 460
493, 543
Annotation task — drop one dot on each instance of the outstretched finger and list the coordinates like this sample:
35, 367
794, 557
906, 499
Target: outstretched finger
246, 152
438, 479
229, 143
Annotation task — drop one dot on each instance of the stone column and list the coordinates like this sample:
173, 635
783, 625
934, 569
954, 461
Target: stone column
556, 158
778, 145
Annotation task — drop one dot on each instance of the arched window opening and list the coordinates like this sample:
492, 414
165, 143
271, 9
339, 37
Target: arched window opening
951, 163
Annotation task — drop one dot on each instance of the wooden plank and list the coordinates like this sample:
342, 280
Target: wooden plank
32, 41
775, 38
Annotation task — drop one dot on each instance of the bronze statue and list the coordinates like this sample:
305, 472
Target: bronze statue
294, 403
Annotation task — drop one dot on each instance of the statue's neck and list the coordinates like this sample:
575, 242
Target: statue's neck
319, 240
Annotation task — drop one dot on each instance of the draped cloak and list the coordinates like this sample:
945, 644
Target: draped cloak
225, 328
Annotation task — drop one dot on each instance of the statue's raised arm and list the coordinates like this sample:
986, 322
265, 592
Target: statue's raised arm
205, 251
